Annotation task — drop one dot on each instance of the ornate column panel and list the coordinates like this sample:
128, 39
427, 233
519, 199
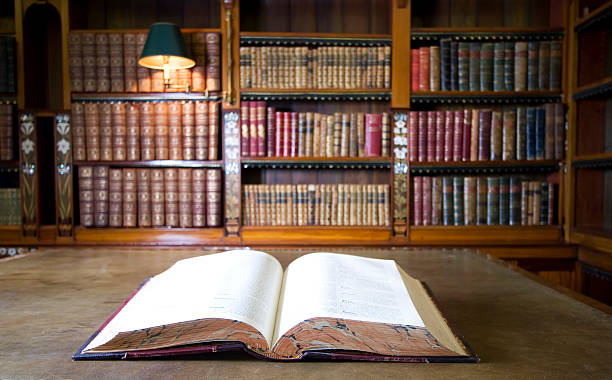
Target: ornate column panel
63, 175
400, 172
28, 177
231, 157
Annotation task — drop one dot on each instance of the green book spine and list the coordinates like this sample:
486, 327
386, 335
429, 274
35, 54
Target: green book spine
498, 66
492, 200
486, 67
481, 201
463, 63
474, 66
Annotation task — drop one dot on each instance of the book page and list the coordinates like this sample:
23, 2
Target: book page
241, 285
343, 286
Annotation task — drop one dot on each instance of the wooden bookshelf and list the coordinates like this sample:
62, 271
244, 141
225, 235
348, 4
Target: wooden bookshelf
483, 235
154, 164
470, 167
138, 30
595, 239
486, 97
486, 34
360, 94
592, 90
317, 162
324, 39
597, 17
149, 236
143, 96
315, 235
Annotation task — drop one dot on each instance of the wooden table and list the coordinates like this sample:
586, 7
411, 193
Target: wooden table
51, 301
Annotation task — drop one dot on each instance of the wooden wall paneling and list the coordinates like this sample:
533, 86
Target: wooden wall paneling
144, 13
516, 13
63, 175
96, 14
303, 16
591, 66
490, 13
170, 11
590, 126
463, 13
120, 14
329, 16
589, 201
540, 13
356, 16
380, 16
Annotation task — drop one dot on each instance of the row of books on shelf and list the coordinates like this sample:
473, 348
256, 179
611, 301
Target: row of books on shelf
266, 132
8, 67
487, 66
124, 131
10, 207
497, 200
316, 205
322, 67
108, 62
7, 125
171, 197
482, 134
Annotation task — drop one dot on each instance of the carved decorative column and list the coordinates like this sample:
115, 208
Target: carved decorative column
400, 173
28, 177
63, 175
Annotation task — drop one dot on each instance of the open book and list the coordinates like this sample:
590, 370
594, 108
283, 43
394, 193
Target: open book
325, 305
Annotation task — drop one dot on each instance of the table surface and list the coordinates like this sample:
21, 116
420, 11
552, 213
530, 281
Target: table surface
52, 300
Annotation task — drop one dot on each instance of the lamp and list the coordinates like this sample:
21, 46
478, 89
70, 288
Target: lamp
165, 50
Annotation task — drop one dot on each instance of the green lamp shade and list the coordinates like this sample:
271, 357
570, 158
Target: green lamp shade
165, 45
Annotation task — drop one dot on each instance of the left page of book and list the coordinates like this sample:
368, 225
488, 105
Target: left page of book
239, 285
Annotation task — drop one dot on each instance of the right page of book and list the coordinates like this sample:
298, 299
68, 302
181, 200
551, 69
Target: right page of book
343, 286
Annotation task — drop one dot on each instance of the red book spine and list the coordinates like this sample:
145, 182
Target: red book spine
286, 134
467, 133
426, 186
185, 198
253, 129
213, 197
271, 131
294, 134
130, 202
171, 197
261, 128
417, 201
188, 126
245, 148
279, 131
484, 135
201, 130
424, 69
414, 77
422, 137
413, 129
373, 133
449, 130
431, 135
458, 136
198, 197
213, 130
440, 131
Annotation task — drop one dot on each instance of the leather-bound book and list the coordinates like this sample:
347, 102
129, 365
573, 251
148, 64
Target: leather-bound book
454, 66
427, 199
188, 129
253, 129
544, 66
449, 135
345, 134
474, 134
474, 66
469, 201
385, 143
213, 197
157, 80
132, 132
434, 68
115, 197
445, 64
201, 130
279, 135
213, 130
521, 133
532, 65
543, 205
540, 133
520, 66
106, 131
509, 66
185, 199
130, 198
413, 135
431, 136
481, 201
330, 139
158, 202
130, 62
515, 201
492, 200
417, 200
458, 136
6, 131
463, 63
467, 134
271, 131
143, 186
175, 132
373, 133
524, 203
440, 132
115, 41
353, 140
285, 149
499, 55
556, 53
147, 131
509, 135
309, 134
79, 139
317, 205
92, 131
119, 131
102, 63
496, 135
504, 201
424, 69
100, 188
161, 130
559, 131
293, 132
530, 203
484, 135
310, 214
198, 50
337, 134
246, 197
142, 73
88, 45
436, 200
549, 131
301, 144
537, 202
414, 74
550, 220
447, 201
75, 62
213, 62
422, 137
171, 197
261, 128
458, 195
486, 66
86, 196
198, 197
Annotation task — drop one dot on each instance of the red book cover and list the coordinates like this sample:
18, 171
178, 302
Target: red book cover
278, 134
467, 134
422, 137
198, 197
213, 130
440, 132
252, 129
373, 133
244, 129
424, 69
293, 145
458, 136
271, 131
287, 138
185, 199
448, 135
188, 124
175, 132
431, 135
417, 201
261, 128
414, 77
147, 132
484, 139
130, 198
413, 128
426, 186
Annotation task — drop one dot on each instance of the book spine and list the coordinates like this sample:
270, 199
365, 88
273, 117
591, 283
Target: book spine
417, 201
492, 200
106, 132
530, 203
509, 135
520, 66
449, 133
559, 131
537, 202
544, 204
79, 139
158, 203
532, 65
198, 197
434, 68
469, 200
102, 63
458, 136
213, 130
271, 131
524, 203
556, 52
496, 135
86, 196
540, 133
353, 139
515, 201
92, 131
531, 134
261, 128
171, 197
253, 129
498, 66
414, 74
474, 66
293, 126
142, 73
458, 199
440, 133
278, 134
447, 201
115, 41
413, 133
544, 66
161, 131
551, 204
427, 201
424, 61
144, 197
463, 62
521, 133
422, 137
454, 66
185, 198
100, 186
115, 200
445, 64
385, 144
147, 131
345, 135
88, 45
436, 201
475, 135
75, 62
130, 200
481, 201
486, 66
245, 150
484, 135
467, 131
188, 128
201, 130
119, 131
213, 61
213, 198
130, 62
509, 66
504, 201
549, 131
132, 132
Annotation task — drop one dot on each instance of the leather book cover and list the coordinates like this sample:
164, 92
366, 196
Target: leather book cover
537, 202
484, 135
132, 132
445, 64
143, 74
549, 131
86, 195
175, 132
467, 134
447, 201
279, 134
213, 130
157, 80
75, 62
147, 131
385, 144
373, 133
559, 131
431, 136
474, 66
92, 131
161, 131
130, 198
413, 135
424, 69
6, 132
543, 204
436, 201
498, 66
509, 135
79, 139
115, 41
486, 66
481, 201
201, 130
458, 136
353, 141
544, 66
143, 187
213, 61
330, 139
270, 137
171, 197
310, 215
88, 45
213, 197
474, 134
288, 137
509, 66
301, 138
422, 137
158, 202
515, 201
454, 66
261, 128
130, 62
427, 200
449, 135
417, 201
434, 68
115, 197
100, 188
119, 131
345, 134
504, 201
380, 67
198, 197
387, 67
458, 200
469, 201
253, 129
440, 133
533, 48
337, 134
188, 130
525, 191
106, 131
102, 63
521, 133
185, 199
540, 133
556, 57
496, 135
550, 218
492, 201
520, 66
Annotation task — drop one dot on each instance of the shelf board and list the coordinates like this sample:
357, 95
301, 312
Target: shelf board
148, 236
142, 96
594, 19
593, 161
316, 39
154, 164
483, 235
484, 167
183, 30
8, 98
313, 235
317, 162
488, 97
600, 88
486, 34
9, 164
592, 238
371, 94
